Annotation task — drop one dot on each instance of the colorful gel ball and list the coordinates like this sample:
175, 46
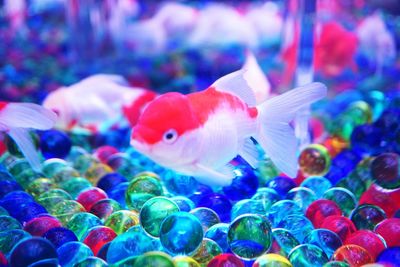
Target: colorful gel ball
314, 160
55, 144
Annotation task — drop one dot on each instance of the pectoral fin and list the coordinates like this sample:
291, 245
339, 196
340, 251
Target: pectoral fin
209, 176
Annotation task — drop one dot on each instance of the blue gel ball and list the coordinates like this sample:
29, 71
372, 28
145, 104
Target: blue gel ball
298, 225
243, 186
110, 180
390, 255
179, 184
184, 203
219, 233
46, 263
59, 236
181, 233
281, 185
281, 209
118, 193
200, 192
32, 250
73, 252
251, 206
102, 254
5, 175
54, 144
28, 211
218, 203
134, 242
7, 186
20, 195
366, 138
327, 240
317, 184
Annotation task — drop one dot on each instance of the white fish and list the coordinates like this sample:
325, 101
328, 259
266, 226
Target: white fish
95, 100
376, 41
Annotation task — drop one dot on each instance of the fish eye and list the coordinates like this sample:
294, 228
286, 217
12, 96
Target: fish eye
170, 136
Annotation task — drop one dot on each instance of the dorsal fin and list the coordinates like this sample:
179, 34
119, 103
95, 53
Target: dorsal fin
237, 84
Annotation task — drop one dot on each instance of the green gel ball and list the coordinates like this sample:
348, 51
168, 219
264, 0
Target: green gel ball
92, 262
181, 233
52, 197
343, 198
140, 190
81, 222
18, 166
8, 223
65, 174
52, 166
120, 221
75, 185
8, 239
283, 241
206, 252
39, 186
154, 211
367, 216
26, 177
250, 236
336, 264
154, 258
308, 255
185, 261
66, 209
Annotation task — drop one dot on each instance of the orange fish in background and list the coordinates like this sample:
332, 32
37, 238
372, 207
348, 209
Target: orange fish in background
334, 49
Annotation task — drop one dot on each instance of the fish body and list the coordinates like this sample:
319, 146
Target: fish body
16, 119
96, 100
200, 133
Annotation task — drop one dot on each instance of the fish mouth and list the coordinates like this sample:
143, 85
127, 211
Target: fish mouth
140, 146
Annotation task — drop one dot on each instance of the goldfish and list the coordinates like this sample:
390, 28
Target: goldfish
95, 100
198, 134
376, 41
16, 119
335, 49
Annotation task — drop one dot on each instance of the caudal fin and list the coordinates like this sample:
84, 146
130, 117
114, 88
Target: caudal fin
18, 118
275, 135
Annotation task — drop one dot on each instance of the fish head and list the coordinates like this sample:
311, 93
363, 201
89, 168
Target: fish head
58, 101
166, 131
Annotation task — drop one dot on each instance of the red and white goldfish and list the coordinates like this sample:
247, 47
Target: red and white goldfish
200, 133
95, 100
16, 119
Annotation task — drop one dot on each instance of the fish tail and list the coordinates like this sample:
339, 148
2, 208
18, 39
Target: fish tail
18, 118
275, 135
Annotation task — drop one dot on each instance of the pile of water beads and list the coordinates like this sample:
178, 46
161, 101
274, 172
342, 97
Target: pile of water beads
111, 207
97, 202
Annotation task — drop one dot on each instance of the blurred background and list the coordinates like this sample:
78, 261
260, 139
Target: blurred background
186, 45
